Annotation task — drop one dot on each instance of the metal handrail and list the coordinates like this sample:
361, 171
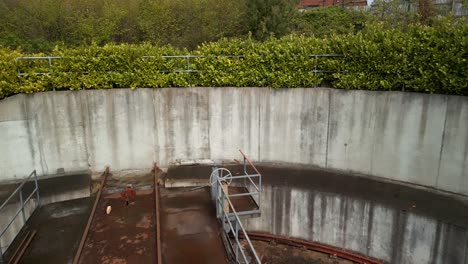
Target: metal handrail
250, 163
21, 209
188, 69
226, 218
259, 186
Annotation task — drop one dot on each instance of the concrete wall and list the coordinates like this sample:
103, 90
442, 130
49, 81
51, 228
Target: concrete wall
408, 137
371, 228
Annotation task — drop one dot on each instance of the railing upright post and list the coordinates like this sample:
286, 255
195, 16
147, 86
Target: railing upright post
51, 71
260, 191
222, 200
1, 253
236, 234
22, 205
315, 71
37, 189
219, 202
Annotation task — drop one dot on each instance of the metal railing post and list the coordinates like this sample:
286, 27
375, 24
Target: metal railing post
22, 205
222, 201
315, 71
37, 189
23, 202
1, 252
260, 194
50, 70
236, 227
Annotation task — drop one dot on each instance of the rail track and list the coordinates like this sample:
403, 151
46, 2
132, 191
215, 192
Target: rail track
122, 226
313, 246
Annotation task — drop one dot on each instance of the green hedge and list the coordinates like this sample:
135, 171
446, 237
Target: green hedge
429, 59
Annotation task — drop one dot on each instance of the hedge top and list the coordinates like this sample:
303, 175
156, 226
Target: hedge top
421, 58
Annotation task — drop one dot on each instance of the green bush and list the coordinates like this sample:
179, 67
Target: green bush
422, 58
429, 59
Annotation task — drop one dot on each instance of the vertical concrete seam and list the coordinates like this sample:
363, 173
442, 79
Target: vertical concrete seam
344, 220
86, 121
328, 128
398, 236
260, 121
466, 250
442, 143
208, 113
40, 143
28, 127
373, 137
370, 225
436, 245
154, 130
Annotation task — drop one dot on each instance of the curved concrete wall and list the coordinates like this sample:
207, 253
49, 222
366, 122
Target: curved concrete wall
408, 137
370, 228
394, 222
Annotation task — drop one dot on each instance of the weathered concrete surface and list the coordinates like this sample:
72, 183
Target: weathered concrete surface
453, 171
51, 189
394, 222
351, 130
60, 227
182, 124
397, 224
119, 129
189, 229
18, 156
234, 121
293, 126
409, 137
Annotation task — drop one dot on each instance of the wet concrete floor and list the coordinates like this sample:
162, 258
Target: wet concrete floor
59, 228
189, 230
126, 235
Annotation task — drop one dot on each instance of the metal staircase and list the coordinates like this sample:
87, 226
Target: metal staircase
237, 196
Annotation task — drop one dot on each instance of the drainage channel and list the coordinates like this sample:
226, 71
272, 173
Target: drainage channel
122, 226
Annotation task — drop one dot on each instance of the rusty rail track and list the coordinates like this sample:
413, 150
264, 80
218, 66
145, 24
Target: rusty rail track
313, 246
76, 259
19, 252
25, 243
158, 225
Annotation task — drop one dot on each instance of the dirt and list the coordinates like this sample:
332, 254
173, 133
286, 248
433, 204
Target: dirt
271, 253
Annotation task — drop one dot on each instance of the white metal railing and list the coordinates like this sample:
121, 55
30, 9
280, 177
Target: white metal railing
231, 223
23, 202
189, 66
220, 180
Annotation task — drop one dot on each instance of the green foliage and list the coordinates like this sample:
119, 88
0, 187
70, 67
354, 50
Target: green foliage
327, 21
181, 23
270, 17
8, 75
422, 58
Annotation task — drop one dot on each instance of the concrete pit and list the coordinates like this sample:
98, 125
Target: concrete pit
383, 220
